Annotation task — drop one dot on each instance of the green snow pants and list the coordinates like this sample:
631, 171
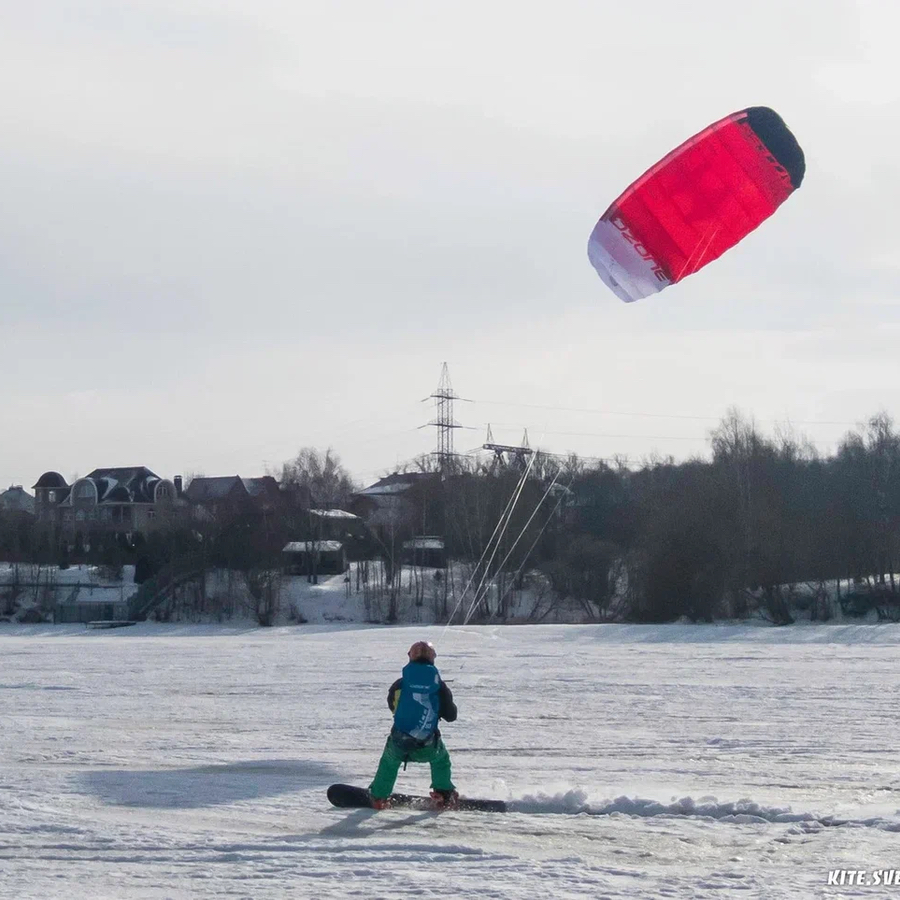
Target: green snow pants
394, 756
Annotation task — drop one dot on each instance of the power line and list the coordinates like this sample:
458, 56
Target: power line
649, 415
604, 434
654, 437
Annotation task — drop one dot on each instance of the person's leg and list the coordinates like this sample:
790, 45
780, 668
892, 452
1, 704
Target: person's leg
391, 759
440, 768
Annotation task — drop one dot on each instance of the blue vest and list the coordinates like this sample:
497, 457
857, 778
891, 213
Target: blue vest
420, 702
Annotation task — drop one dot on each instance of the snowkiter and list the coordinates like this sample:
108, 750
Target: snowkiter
418, 699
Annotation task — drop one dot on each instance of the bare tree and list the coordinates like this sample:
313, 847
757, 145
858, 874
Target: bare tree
322, 474
264, 588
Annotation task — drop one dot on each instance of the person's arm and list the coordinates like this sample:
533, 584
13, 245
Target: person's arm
448, 709
393, 697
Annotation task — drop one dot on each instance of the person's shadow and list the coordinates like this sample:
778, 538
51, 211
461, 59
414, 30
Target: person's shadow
202, 786
354, 824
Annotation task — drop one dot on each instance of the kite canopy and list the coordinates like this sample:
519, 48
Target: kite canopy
696, 203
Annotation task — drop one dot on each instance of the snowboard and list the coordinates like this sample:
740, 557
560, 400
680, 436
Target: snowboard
347, 796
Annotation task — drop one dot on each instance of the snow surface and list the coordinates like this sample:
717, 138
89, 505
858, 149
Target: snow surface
334, 514
673, 761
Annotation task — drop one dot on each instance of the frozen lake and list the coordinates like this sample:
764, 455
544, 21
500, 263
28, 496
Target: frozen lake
641, 761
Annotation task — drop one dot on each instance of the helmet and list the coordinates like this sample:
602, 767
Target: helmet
422, 650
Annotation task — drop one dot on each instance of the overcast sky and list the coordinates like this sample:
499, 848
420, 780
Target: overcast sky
232, 229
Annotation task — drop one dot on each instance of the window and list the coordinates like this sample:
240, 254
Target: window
85, 491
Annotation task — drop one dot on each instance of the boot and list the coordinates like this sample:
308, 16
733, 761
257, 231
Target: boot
444, 799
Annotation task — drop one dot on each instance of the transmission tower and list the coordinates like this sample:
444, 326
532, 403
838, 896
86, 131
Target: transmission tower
504, 453
443, 398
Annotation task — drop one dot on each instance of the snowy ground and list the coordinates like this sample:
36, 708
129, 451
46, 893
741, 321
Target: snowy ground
675, 761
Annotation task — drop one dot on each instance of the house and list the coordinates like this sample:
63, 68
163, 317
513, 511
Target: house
315, 557
118, 500
390, 502
427, 551
17, 500
82, 611
223, 497
334, 524
265, 491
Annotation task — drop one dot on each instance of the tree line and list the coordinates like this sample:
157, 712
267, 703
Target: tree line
735, 534
725, 536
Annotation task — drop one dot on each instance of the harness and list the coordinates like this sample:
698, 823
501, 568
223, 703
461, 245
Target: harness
407, 744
